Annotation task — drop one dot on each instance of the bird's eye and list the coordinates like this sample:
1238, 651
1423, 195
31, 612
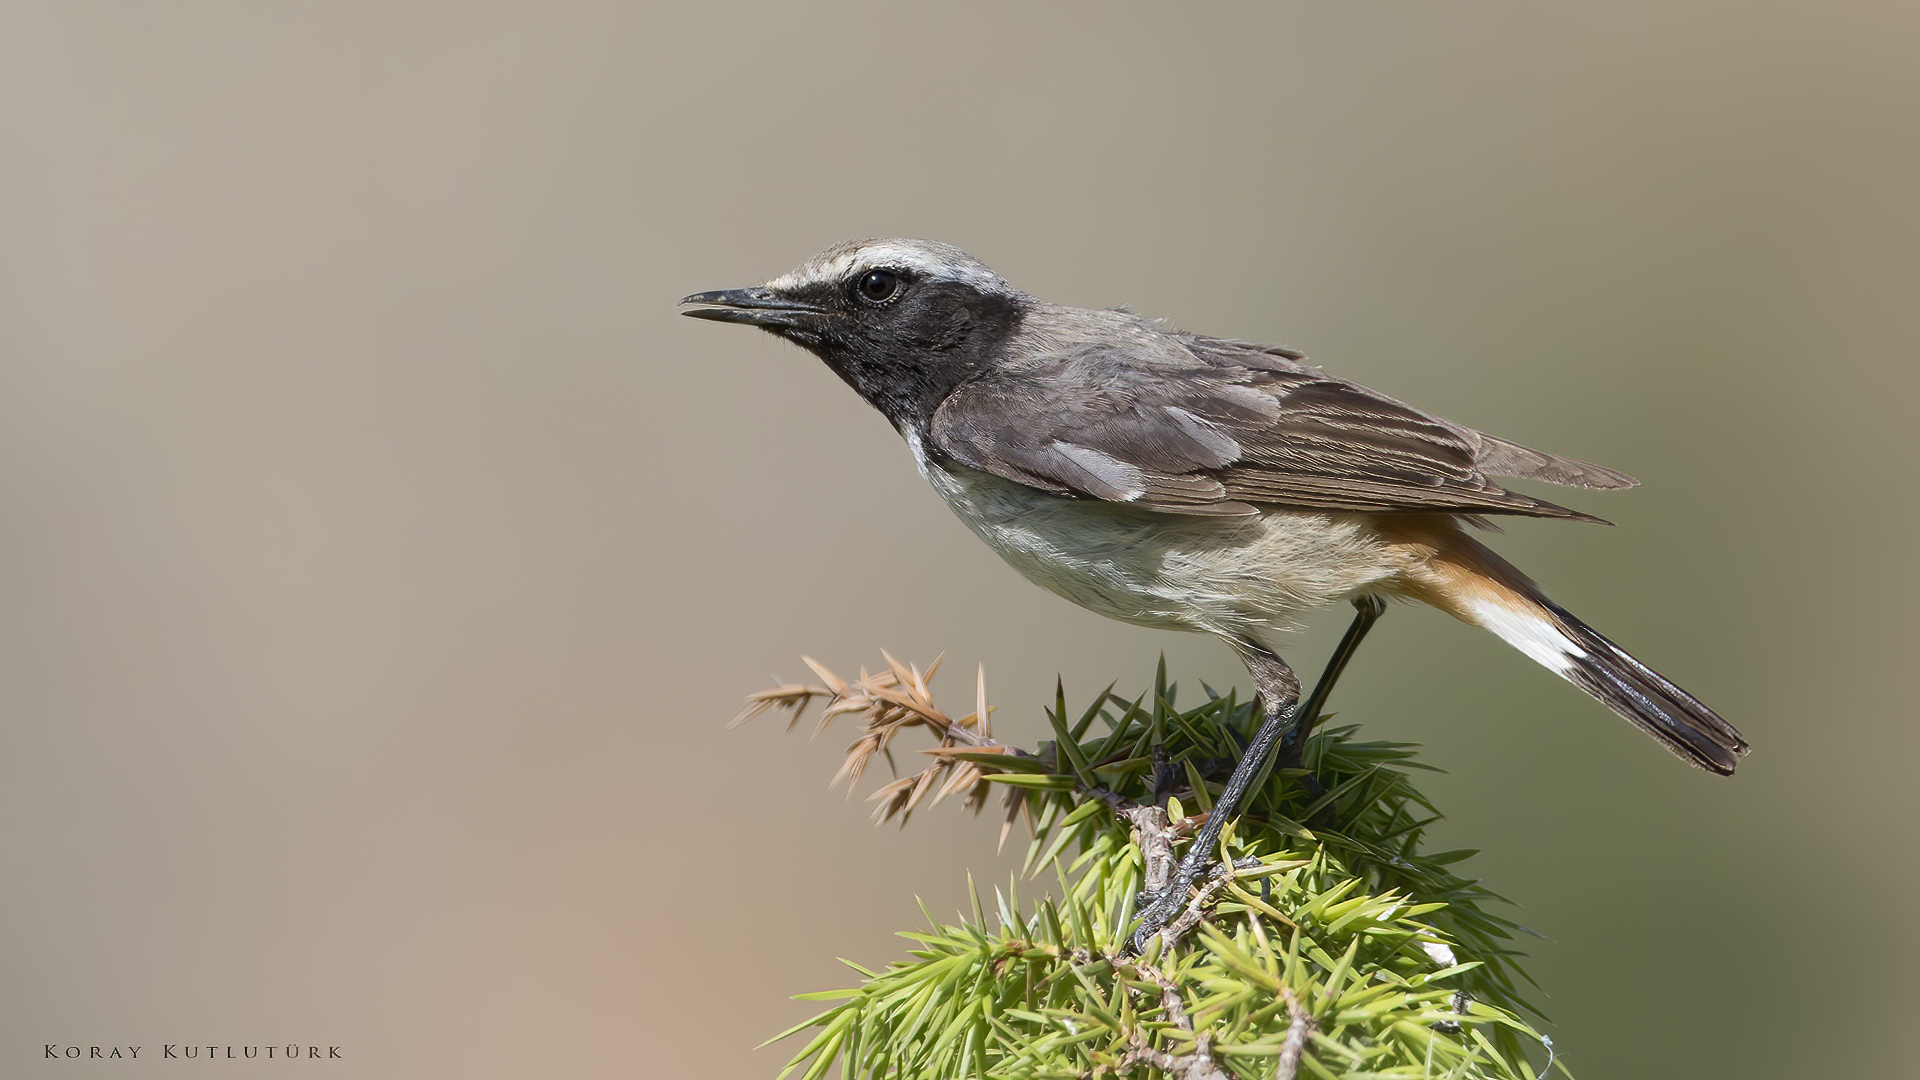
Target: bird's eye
879, 286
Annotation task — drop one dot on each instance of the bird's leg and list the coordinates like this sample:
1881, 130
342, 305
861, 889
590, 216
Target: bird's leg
1164, 775
1366, 611
1279, 689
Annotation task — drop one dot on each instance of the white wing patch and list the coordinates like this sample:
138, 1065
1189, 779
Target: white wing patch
1099, 473
1224, 448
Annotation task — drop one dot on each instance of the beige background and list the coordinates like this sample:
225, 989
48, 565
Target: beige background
382, 556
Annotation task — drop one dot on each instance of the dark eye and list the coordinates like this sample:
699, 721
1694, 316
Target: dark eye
879, 286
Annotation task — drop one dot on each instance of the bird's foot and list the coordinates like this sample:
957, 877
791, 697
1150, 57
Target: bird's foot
1293, 758
1175, 909
1312, 786
1156, 911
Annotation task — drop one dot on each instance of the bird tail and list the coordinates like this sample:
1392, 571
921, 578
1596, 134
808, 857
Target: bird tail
1473, 584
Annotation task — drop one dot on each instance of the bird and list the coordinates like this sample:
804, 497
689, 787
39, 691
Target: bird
1180, 481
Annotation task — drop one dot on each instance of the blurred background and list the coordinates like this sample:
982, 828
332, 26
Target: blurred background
383, 556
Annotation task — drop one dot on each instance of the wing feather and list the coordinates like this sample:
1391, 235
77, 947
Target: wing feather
1223, 428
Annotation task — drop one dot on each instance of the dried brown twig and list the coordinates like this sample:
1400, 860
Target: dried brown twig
889, 702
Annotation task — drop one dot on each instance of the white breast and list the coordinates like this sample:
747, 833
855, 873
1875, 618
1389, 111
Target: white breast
1241, 577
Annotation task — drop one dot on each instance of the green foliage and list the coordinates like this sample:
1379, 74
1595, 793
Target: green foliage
1329, 950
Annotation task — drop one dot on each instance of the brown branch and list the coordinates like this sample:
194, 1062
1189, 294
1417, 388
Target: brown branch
1300, 1025
1198, 1065
1170, 1000
1154, 837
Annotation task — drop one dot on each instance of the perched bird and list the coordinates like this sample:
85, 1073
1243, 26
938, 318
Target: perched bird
1195, 483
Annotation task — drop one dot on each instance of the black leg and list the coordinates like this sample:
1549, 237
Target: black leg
1367, 611
1279, 690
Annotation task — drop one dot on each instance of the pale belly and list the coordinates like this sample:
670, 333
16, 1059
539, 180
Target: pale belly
1239, 577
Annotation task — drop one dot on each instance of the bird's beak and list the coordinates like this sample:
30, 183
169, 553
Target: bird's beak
757, 307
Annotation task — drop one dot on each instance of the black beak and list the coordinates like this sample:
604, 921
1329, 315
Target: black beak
756, 307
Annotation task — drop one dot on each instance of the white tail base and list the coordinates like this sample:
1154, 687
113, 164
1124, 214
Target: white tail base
1531, 632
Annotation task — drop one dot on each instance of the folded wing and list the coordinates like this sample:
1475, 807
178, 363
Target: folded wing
1236, 429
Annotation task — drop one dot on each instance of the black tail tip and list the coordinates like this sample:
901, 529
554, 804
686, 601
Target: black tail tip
1679, 721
